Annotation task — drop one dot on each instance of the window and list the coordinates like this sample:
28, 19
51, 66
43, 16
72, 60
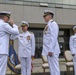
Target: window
39, 40
64, 35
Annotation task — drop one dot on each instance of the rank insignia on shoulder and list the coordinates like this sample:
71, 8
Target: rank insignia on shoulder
28, 37
51, 21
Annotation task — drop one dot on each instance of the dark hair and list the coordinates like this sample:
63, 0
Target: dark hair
2, 16
52, 15
48, 13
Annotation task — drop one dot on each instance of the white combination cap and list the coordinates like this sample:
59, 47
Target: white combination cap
74, 27
48, 11
5, 12
24, 23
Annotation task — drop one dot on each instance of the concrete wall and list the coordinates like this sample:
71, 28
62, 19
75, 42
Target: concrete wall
35, 14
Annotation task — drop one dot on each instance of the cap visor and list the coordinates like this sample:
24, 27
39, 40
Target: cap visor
44, 15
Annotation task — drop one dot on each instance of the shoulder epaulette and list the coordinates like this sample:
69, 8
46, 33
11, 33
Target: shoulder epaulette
52, 21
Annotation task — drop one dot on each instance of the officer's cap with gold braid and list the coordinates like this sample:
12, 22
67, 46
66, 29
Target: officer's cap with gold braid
48, 12
24, 23
5, 13
74, 27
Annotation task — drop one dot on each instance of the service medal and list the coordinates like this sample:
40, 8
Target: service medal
28, 37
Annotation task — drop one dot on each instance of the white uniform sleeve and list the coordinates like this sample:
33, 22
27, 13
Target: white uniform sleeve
71, 45
11, 30
33, 45
53, 35
13, 37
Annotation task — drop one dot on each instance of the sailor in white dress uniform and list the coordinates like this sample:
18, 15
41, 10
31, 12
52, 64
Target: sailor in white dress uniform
5, 31
50, 43
72, 45
26, 48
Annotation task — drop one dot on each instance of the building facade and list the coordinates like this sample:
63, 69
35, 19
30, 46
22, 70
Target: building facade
32, 12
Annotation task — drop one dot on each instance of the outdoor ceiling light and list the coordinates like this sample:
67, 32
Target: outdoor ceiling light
44, 4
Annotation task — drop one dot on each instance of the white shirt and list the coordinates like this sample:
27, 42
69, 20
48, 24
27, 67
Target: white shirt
26, 44
72, 44
5, 31
50, 38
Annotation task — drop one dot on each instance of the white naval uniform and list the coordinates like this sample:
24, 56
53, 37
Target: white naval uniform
72, 45
26, 50
5, 31
50, 44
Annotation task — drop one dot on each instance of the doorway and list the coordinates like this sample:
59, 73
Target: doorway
64, 35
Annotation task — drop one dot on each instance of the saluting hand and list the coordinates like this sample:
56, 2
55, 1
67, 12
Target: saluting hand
50, 54
11, 22
19, 27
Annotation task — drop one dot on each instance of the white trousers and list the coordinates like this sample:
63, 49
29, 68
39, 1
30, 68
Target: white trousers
3, 64
74, 61
54, 65
25, 65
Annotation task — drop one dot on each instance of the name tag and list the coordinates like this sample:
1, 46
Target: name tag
21, 37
